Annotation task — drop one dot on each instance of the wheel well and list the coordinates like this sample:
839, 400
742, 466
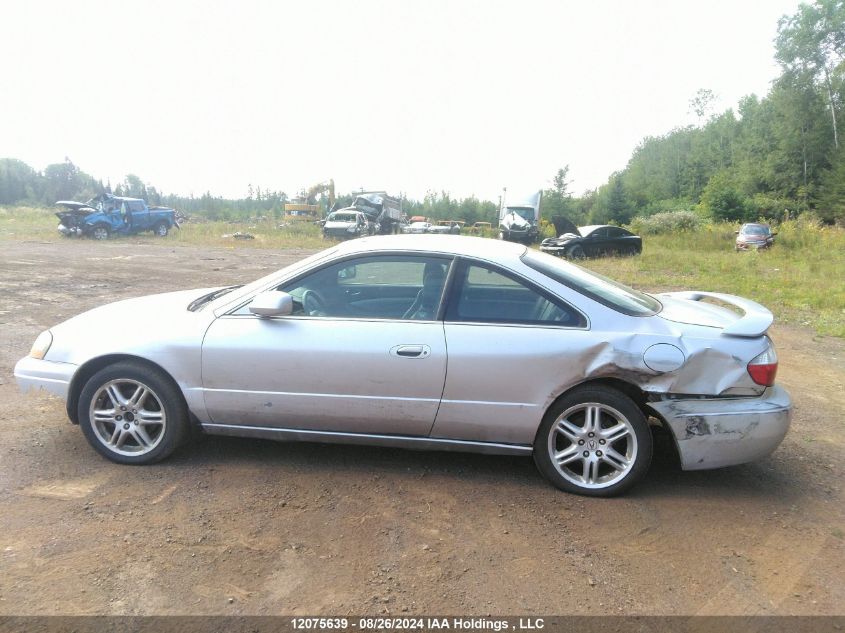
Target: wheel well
96, 364
639, 397
632, 391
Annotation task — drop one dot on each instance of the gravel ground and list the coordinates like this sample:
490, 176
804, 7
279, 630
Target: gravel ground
230, 526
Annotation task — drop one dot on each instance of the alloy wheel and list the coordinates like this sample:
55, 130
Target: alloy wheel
592, 445
127, 417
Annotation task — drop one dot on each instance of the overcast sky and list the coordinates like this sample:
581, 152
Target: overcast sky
467, 97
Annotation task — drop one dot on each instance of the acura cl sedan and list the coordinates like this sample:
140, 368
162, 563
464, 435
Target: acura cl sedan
428, 342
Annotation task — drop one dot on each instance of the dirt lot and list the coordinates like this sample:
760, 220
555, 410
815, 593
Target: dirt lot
248, 527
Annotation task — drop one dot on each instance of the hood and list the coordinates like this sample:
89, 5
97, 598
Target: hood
563, 239
339, 224
80, 207
130, 326
564, 226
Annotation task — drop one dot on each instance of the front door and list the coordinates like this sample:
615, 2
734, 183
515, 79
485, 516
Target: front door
363, 352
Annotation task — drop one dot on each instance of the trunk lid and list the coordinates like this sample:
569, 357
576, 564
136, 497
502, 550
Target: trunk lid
689, 307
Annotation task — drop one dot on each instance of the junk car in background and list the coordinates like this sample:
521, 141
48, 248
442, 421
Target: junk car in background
593, 241
106, 215
754, 237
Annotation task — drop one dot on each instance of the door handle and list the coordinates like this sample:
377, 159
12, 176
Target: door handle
411, 351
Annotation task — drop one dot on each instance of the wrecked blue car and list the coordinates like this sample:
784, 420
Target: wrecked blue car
106, 215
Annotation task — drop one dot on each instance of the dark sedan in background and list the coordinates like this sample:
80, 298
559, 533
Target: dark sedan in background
594, 241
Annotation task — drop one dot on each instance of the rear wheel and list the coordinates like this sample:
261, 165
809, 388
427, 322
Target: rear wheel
132, 414
595, 441
161, 229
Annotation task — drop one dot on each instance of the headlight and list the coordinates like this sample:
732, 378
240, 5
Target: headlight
41, 345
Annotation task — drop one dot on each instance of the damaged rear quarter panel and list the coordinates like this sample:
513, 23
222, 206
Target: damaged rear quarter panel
512, 393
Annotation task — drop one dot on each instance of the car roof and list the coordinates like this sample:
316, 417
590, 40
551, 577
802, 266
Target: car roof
481, 247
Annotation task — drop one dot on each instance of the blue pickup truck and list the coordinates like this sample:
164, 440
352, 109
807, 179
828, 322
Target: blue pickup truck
106, 215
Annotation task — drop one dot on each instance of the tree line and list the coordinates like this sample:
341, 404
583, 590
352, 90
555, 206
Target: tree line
774, 156
782, 154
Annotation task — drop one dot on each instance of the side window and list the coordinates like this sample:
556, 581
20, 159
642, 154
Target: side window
136, 206
377, 287
599, 234
483, 294
614, 231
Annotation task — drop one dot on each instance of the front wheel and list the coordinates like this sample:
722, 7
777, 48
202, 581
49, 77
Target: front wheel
161, 229
132, 414
576, 252
595, 441
100, 232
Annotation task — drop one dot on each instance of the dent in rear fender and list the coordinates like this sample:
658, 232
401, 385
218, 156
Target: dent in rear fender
711, 433
500, 392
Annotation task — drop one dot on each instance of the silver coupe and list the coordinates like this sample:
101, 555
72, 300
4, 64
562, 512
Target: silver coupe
428, 342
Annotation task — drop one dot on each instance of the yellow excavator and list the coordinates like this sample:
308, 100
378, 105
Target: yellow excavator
305, 206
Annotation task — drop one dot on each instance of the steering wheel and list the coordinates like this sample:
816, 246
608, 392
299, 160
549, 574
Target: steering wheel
313, 304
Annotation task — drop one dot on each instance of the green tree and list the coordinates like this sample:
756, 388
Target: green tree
812, 43
722, 201
830, 198
17, 180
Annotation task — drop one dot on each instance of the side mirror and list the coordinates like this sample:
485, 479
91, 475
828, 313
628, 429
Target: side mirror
272, 303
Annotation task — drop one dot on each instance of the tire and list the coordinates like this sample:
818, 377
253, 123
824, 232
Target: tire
576, 252
161, 229
100, 232
504, 236
133, 426
580, 463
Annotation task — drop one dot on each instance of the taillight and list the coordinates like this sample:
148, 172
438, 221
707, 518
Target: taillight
764, 367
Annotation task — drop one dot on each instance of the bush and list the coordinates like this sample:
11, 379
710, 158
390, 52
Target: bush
671, 222
722, 201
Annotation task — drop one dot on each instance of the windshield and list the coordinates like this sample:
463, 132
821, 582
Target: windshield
342, 217
598, 287
526, 213
755, 229
586, 230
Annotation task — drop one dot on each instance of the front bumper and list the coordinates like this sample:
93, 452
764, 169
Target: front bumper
752, 246
72, 231
553, 249
711, 433
341, 234
32, 373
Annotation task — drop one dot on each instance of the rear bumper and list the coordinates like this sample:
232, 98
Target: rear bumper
31, 373
711, 433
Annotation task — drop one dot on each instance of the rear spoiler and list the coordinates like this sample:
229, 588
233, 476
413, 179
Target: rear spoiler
754, 322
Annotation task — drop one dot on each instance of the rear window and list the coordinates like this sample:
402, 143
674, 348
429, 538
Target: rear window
598, 287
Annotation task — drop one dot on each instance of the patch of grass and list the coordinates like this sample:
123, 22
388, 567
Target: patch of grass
801, 279
267, 234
